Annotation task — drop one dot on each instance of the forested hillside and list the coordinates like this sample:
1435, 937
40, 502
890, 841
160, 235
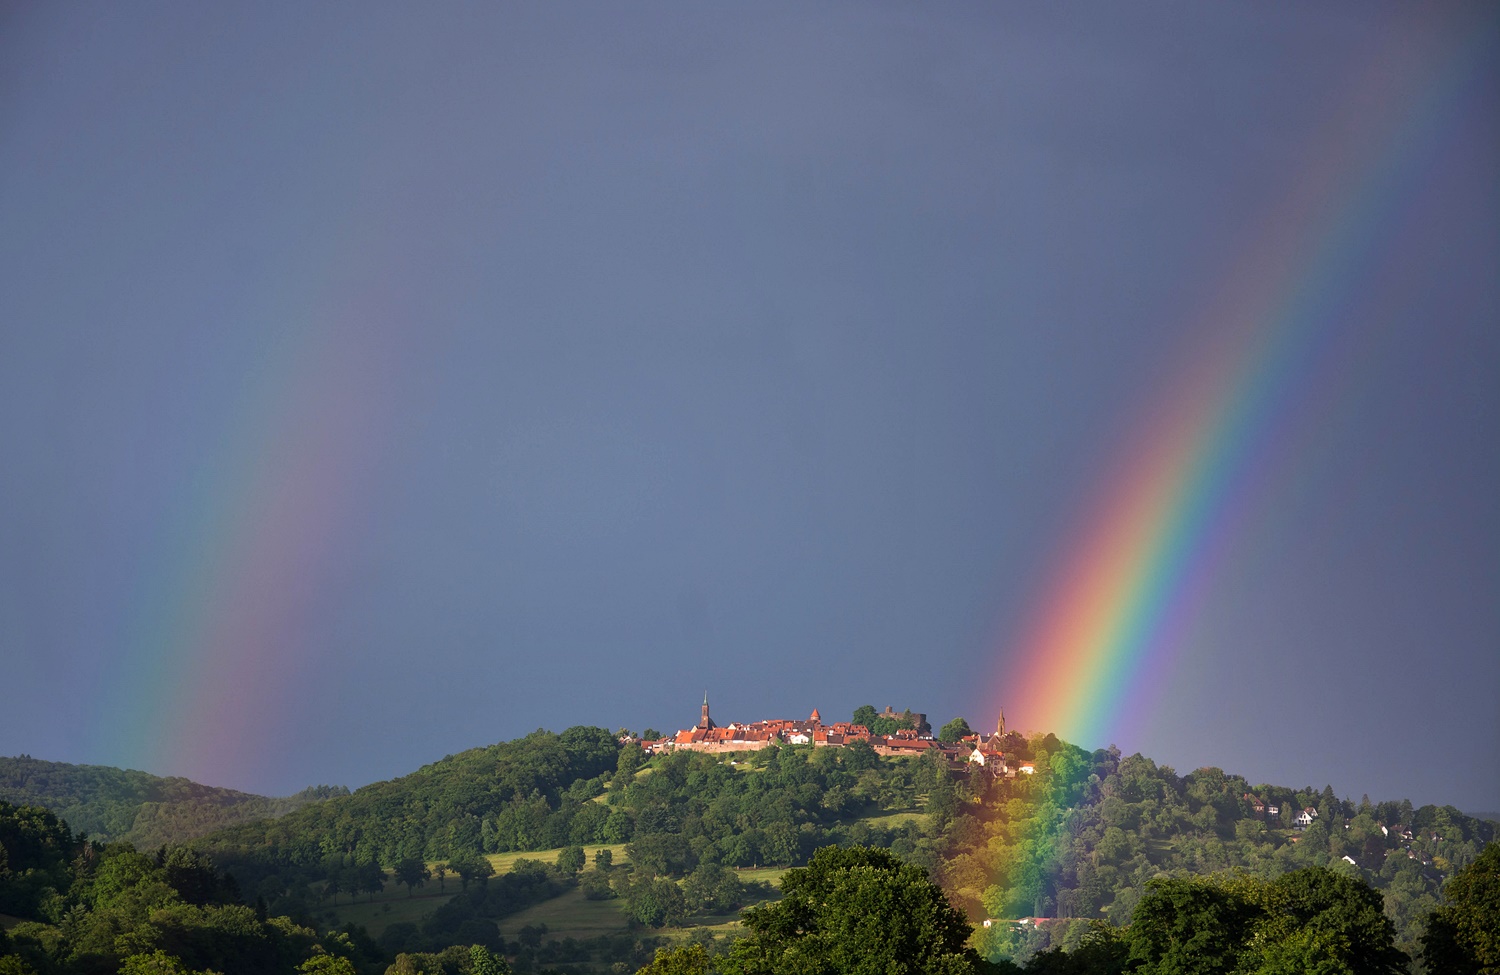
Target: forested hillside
1078, 840
1082, 837
146, 810
1048, 857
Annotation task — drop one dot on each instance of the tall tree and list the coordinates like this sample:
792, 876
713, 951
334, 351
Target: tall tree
684, 959
413, 873
954, 730
855, 910
1463, 935
571, 859
1189, 927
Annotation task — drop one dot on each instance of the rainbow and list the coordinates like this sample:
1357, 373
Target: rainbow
1118, 610
218, 659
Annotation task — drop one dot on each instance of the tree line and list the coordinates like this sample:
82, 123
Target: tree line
147, 810
1082, 844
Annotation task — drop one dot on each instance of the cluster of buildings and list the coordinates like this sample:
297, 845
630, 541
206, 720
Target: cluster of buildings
1263, 810
979, 750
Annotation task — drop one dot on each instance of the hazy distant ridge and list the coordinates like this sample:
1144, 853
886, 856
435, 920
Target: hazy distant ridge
122, 804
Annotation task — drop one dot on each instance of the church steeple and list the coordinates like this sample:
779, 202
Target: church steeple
704, 721
1000, 724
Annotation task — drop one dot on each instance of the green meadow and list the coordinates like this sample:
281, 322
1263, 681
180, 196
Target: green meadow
570, 915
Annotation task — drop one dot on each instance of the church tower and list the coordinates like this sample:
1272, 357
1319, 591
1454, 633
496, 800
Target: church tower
999, 725
704, 721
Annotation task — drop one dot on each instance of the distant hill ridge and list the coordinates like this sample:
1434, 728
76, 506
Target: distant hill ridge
147, 810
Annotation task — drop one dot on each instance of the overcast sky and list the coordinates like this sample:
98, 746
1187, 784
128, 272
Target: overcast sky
383, 380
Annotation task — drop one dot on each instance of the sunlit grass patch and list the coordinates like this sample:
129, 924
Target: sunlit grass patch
506, 862
569, 916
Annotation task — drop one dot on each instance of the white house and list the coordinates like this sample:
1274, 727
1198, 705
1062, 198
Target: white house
1304, 818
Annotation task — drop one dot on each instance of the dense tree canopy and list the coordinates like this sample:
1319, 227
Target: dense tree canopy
954, 730
1311, 920
855, 911
1091, 864
147, 810
1463, 935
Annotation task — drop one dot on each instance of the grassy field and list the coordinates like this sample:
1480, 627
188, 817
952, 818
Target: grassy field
570, 916
892, 819
390, 907
574, 916
395, 904
504, 862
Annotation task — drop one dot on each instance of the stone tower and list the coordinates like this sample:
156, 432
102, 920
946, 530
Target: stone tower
999, 725
704, 721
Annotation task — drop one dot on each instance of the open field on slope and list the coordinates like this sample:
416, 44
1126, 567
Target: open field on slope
574, 916
570, 915
505, 862
394, 904
390, 907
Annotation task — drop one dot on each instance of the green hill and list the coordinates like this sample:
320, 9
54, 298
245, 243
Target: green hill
1073, 843
146, 810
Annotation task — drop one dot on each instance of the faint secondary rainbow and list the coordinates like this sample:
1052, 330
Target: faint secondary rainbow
1115, 615
213, 678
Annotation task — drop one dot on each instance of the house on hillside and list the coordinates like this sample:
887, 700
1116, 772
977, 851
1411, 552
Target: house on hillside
1304, 818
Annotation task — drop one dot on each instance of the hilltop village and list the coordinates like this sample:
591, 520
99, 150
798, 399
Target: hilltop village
913, 740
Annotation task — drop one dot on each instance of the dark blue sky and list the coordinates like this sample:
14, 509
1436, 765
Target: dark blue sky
377, 382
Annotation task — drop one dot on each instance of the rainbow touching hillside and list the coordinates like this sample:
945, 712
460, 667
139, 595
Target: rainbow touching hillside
1282, 366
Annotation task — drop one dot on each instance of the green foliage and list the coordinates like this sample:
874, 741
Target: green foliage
1083, 836
157, 962
516, 795
35, 851
571, 859
655, 902
146, 810
413, 873
1307, 921
1463, 935
855, 910
955, 730
470, 869
121, 910
323, 964
686, 959
1077, 843
1187, 927
629, 761
482, 961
